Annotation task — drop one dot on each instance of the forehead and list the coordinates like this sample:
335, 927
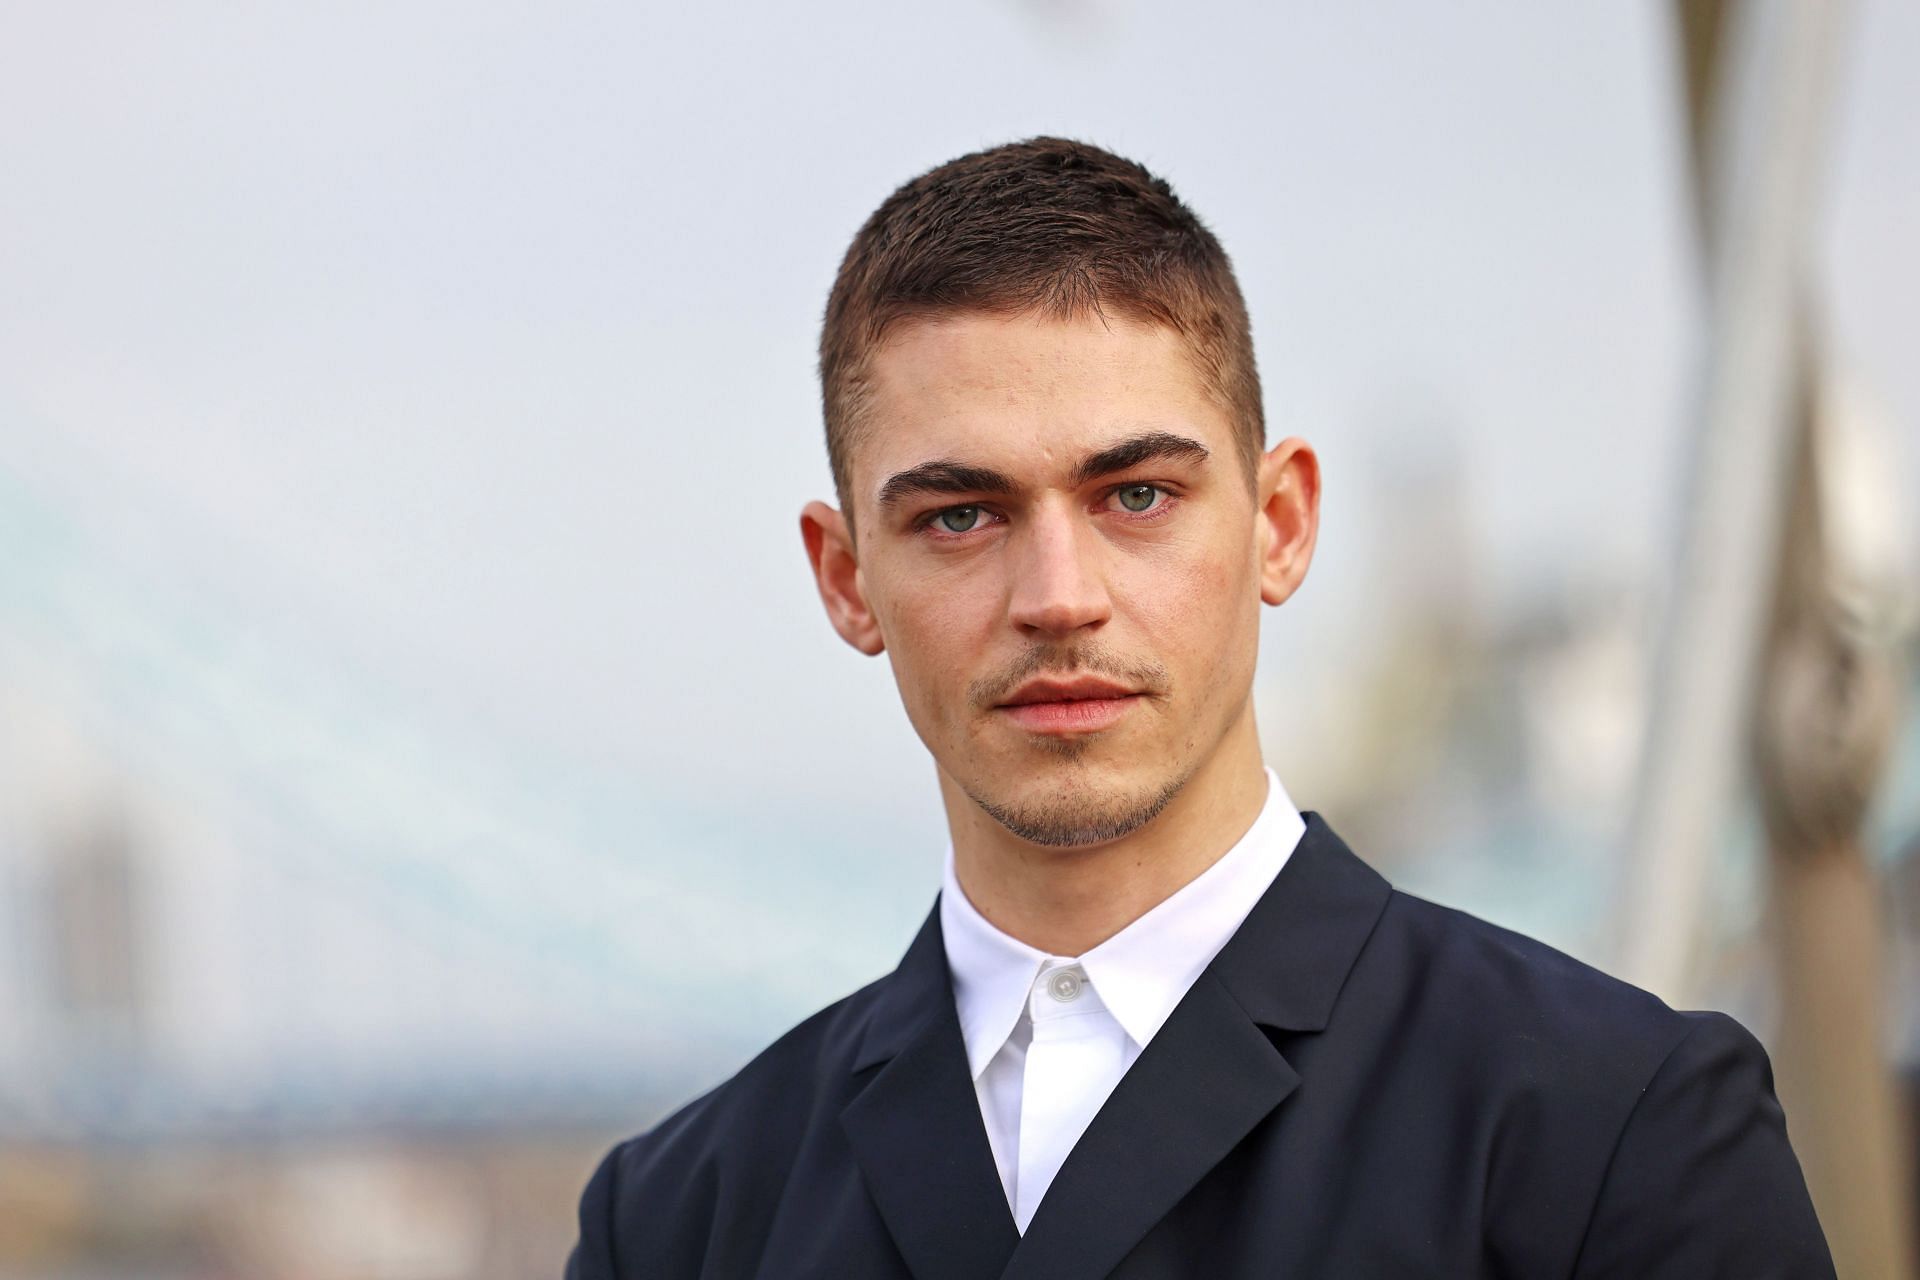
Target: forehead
1026, 394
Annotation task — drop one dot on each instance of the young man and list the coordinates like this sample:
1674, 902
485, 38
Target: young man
1159, 1023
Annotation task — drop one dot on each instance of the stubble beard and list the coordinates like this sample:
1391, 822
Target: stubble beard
1073, 821
1078, 815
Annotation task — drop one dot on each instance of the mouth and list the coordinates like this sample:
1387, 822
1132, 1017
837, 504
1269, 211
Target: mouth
1084, 704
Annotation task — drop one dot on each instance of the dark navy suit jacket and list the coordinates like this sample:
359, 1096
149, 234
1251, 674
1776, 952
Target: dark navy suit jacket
1362, 1084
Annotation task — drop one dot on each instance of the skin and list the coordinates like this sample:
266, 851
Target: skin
987, 556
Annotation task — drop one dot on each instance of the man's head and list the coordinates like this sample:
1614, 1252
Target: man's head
1045, 426
1047, 226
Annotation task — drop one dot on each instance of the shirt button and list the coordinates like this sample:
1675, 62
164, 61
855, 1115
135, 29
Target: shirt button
1065, 984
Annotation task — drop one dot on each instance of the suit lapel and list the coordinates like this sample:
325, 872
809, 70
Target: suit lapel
916, 1128
1209, 1076
1212, 1073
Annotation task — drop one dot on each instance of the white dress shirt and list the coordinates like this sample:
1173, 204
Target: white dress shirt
1048, 1037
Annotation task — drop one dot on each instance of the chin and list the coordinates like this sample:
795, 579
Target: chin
1074, 807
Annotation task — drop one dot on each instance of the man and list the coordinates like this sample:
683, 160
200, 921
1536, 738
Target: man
1159, 1022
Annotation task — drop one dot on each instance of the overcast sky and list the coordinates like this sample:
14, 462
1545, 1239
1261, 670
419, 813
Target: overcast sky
457, 359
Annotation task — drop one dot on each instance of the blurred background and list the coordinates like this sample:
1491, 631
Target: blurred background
423, 759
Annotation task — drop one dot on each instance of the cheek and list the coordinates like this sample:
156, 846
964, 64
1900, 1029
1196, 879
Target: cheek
1191, 596
936, 630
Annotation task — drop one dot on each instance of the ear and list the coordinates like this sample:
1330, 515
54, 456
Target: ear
836, 571
1288, 491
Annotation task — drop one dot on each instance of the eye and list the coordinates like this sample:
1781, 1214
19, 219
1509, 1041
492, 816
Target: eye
958, 519
1138, 497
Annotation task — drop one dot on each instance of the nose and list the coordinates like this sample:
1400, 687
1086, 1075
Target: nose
1058, 584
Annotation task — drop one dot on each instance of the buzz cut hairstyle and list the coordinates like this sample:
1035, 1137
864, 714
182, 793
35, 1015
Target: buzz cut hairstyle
1051, 227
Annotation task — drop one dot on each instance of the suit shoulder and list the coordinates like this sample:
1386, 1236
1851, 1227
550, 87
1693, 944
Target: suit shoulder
778, 1086
1495, 981
723, 1157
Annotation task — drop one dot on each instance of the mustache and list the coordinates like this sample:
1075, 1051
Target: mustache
991, 691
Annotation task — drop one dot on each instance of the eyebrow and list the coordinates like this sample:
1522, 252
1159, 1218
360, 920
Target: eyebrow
949, 476
1148, 446
942, 476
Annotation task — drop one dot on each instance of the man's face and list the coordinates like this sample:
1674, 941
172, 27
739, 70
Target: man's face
1061, 551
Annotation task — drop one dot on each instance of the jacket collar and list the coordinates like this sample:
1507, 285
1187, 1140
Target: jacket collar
1205, 1081
1285, 964
916, 993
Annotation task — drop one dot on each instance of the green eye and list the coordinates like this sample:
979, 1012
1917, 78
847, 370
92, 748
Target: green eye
1138, 497
959, 519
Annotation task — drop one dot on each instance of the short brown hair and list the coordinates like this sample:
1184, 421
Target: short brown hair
1049, 225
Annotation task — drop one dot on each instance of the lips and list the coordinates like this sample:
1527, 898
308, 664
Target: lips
1082, 704
1075, 689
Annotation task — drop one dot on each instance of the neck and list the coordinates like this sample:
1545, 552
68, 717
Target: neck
1068, 901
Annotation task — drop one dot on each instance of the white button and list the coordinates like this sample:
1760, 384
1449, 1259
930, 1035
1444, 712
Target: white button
1065, 984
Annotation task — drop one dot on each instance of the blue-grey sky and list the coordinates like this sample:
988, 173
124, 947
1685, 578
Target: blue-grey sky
430, 386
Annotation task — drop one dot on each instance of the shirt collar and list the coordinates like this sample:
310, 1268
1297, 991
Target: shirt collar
1141, 972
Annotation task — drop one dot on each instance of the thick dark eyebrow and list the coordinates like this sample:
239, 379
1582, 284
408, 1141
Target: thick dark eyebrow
942, 476
1148, 446
946, 476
